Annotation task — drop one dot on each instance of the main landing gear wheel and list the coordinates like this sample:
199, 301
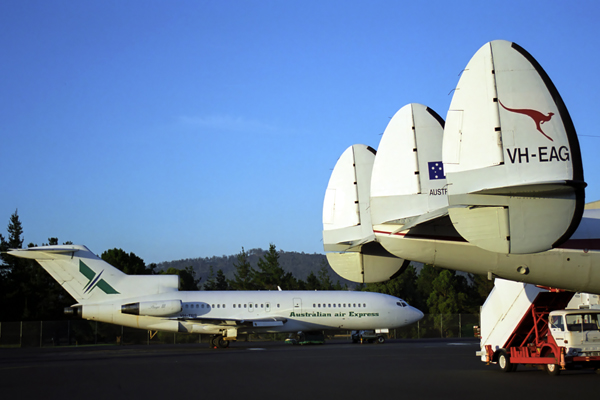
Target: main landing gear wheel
380, 339
219, 342
504, 362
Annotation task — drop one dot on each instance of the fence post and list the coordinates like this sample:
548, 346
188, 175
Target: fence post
41, 331
459, 326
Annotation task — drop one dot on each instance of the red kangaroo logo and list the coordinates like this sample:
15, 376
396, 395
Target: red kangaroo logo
537, 117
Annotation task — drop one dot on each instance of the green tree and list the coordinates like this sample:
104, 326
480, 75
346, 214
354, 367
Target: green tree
243, 277
187, 277
425, 283
220, 281
270, 275
128, 263
26, 290
312, 282
403, 286
483, 286
323, 277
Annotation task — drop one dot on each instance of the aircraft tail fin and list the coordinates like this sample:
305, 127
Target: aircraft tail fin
511, 155
347, 227
408, 184
89, 279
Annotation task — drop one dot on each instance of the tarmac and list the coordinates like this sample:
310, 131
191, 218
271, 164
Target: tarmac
405, 369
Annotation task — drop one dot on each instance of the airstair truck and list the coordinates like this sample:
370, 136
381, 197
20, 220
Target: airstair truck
525, 324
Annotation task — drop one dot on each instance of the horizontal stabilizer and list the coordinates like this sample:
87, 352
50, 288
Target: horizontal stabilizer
511, 155
370, 264
89, 279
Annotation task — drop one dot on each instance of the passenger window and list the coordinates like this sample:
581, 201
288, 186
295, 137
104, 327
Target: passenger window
353, 305
244, 305
261, 306
328, 305
224, 305
334, 306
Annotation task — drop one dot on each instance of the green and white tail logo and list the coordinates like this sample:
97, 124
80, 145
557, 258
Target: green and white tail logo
94, 280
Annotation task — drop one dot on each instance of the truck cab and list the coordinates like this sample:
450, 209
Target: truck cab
578, 331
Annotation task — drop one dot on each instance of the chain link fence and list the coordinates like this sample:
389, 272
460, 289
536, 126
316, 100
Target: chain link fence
86, 333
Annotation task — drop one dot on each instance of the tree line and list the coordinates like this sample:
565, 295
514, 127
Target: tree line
29, 293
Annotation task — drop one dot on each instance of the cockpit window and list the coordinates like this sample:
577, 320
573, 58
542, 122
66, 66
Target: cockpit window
401, 303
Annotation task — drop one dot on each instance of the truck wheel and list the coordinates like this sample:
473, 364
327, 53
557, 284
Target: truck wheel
504, 362
552, 369
380, 339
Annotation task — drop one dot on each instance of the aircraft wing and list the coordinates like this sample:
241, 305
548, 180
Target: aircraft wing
256, 322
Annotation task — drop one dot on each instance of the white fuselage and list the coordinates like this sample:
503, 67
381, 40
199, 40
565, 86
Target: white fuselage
574, 266
299, 311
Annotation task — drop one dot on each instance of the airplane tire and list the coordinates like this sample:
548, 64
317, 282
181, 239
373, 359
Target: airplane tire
504, 362
222, 343
380, 339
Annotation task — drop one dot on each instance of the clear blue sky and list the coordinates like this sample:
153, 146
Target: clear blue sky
189, 129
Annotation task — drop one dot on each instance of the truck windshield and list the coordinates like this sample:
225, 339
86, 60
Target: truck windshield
583, 322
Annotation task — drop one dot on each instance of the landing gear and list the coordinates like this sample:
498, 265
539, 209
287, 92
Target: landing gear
218, 341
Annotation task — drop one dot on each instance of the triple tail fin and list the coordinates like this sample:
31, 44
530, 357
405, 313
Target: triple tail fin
89, 279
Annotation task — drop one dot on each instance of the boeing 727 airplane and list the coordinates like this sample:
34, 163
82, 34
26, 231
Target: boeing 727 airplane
154, 302
497, 189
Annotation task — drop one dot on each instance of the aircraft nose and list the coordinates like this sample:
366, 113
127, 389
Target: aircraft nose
415, 314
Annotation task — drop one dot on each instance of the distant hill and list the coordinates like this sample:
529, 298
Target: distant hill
299, 264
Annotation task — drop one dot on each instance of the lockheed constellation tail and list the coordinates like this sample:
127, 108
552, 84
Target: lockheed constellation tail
490, 196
